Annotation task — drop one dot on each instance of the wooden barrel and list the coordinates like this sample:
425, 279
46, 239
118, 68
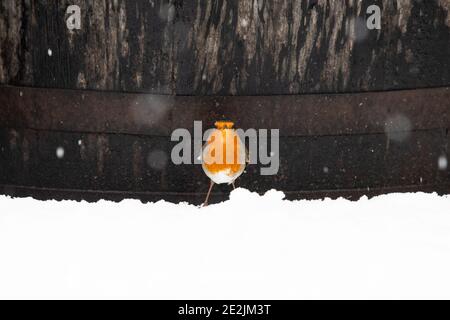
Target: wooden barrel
87, 113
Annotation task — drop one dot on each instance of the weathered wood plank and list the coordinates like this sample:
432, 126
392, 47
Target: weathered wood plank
123, 45
226, 47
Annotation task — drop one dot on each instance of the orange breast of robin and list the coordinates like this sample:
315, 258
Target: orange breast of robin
223, 150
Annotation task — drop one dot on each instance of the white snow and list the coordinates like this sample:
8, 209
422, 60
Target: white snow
251, 247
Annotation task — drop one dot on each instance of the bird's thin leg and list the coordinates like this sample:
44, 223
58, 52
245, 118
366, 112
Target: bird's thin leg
234, 186
209, 193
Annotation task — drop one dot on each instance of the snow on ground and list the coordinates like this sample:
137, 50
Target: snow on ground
251, 247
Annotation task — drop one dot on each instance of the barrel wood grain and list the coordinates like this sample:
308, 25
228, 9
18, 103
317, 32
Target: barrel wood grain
225, 47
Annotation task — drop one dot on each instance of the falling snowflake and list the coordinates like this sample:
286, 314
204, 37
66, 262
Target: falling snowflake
60, 152
356, 29
50, 52
157, 160
442, 163
398, 128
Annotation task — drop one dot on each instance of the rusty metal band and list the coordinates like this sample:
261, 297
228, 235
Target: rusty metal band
159, 115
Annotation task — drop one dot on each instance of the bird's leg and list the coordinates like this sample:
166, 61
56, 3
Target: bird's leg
234, 186
209, 193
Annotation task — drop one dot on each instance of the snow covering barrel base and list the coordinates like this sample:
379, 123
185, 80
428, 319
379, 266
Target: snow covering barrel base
90, 145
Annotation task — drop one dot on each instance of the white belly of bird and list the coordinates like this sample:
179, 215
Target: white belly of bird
224, 177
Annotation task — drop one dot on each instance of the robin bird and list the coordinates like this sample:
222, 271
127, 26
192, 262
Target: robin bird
224, 156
